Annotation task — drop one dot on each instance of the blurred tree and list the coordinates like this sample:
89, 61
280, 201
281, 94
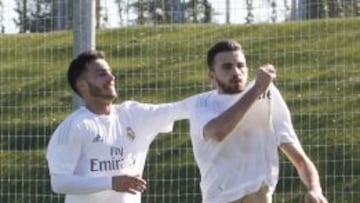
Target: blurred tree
21, 10
351, 7
140, 7
315, 9
173, 11
34, 16
208, 11
287, 10
101, 14
48, 15
121, 6
2, 26
357, 8
62, 14
331, 8
273, 5
250, 16
199, 11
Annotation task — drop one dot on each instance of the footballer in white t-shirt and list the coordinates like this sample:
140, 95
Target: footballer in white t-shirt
247, 159
87, 149
237, 129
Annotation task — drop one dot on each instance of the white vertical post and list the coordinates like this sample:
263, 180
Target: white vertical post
84, 32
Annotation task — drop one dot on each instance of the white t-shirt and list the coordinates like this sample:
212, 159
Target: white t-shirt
248, 157
95, 147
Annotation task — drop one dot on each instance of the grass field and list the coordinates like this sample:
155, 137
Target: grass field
318, 74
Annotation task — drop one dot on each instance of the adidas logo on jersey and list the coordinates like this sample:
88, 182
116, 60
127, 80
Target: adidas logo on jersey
98, 138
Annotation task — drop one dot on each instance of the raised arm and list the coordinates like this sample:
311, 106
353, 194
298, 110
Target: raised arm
219, 127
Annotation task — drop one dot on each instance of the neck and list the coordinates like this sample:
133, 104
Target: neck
101, 109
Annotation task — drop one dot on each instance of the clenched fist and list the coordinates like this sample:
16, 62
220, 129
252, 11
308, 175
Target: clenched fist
265, 75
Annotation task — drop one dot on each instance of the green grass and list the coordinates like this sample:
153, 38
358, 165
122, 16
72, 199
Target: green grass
318, 75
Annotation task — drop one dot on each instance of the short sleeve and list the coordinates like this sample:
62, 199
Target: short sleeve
64, 148
200, 115
281, 119
199, 121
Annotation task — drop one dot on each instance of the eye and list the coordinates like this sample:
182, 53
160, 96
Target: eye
240, 65
227, 66
104, 73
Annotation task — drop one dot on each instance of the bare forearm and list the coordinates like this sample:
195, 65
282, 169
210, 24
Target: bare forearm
305, 167
309, 175
219, 127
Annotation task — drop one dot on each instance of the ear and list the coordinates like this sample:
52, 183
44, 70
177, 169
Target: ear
211, 77
81, 85
211, 74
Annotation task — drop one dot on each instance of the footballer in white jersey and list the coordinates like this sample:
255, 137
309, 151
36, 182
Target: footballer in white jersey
95, 147
247, 159
97, 154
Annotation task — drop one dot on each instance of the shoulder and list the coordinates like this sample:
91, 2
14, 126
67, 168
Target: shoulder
72, 127
140, 106
130, 105
127, 105
132, 108
272, 86
203, 99
76, 118
275, 92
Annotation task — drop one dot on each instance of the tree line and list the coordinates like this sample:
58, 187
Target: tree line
48, 15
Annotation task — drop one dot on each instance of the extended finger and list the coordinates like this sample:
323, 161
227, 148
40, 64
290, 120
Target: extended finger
138, 184
140, 188
139, 181
131, 191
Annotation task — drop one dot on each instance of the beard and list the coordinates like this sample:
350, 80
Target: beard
230, 88
95, 91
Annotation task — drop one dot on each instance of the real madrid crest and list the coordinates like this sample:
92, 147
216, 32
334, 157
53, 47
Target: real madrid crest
130, 133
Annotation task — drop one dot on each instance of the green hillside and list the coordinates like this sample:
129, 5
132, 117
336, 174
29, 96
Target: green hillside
318, 74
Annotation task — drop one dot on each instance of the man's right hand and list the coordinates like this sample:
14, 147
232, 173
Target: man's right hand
265, 75
130, 184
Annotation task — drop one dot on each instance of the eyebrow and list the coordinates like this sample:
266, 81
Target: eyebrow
102, 70
227, 64
240, 62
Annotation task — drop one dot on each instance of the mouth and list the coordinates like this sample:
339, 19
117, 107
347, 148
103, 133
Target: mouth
236, 80
109, 87
109, 84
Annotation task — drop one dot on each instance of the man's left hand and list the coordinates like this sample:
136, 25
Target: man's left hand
314, 197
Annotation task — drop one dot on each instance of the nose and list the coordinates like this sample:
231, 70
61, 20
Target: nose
111, 76
237, 70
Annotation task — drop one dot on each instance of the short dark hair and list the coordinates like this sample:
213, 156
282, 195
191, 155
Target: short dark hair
221, 46
79, 64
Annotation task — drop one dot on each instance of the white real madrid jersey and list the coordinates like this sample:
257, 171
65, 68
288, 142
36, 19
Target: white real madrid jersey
89, 145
